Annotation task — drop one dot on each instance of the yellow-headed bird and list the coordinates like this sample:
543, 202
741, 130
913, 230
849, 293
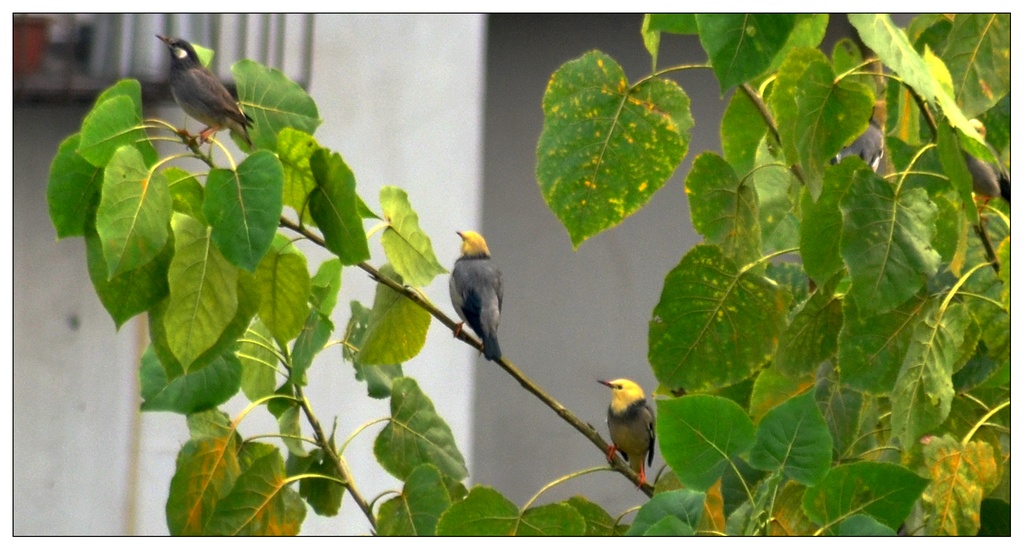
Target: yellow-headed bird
631, 425
476, 290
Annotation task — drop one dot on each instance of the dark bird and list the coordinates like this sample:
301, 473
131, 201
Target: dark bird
201, 95
867, 146
987, 180
476, 290
631, 425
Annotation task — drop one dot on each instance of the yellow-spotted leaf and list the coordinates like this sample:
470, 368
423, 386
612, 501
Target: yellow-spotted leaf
606, 146
715, 323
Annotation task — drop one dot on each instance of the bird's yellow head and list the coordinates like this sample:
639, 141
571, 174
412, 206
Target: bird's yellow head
473, 244
624, 393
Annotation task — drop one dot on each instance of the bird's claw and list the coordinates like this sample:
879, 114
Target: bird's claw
611, 453
457, 331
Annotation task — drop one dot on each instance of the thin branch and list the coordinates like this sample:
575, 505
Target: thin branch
587, 430
339, 463
769, 120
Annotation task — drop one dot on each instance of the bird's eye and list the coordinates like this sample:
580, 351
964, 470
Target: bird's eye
180, 53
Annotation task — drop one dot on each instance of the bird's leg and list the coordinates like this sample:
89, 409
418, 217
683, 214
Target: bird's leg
643, 476
209, 131
611, 453
457, 331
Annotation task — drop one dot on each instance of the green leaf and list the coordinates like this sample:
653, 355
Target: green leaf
822, 219
812, 335
131, 292
778, 192
995, 518
244, 208
890, 43
960, 474
842, 409
990, 314
872, 347
323, 495
135, 206
741, 46
714, 324
607, 147
794, 439
186, 193
699, 434
599, 522
955, 167
416, 435
676, 23
924, 388
742, 131
284, 284
772, 388
325, 286
378, 377
194, 391
978, 56
485, 512
407, 246
311, 341
652, 40
416, 511
817, 115
884, 491
1003, 253
294, 149
885, 244
863, 525
72, 193
723, 208
397, 328
248, 302
204, 473
203, 289
333, 204
259, 362
260, 503
115, 121
684, 505
808, 32
274, 102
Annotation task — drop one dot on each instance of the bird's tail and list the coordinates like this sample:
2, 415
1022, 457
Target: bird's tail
1004, 186
492, 351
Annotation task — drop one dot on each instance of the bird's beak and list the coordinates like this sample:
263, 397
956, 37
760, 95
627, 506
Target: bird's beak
164, 39
602, 382
459, 233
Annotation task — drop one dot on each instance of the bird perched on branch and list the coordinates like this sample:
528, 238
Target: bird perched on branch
476, 290
631, 425
201, 95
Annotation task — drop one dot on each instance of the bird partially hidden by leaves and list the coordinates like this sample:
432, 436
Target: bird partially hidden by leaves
476, 291
202, 95
631, 425
987, 180
868, 146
